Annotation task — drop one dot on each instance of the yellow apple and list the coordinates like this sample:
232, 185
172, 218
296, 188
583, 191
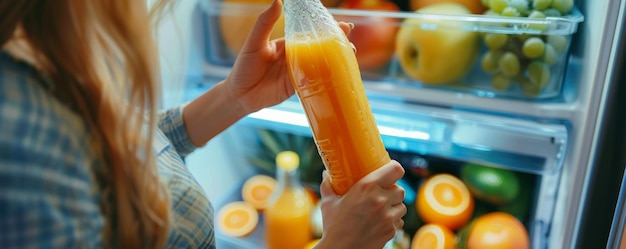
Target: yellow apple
436, 51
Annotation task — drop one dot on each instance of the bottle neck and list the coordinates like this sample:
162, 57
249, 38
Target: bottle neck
288, 178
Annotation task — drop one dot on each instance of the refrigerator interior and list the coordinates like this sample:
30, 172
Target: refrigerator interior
554, 142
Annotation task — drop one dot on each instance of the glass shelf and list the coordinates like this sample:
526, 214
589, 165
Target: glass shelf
506, 142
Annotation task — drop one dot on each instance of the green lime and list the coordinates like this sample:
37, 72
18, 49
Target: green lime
496, 186
520, 206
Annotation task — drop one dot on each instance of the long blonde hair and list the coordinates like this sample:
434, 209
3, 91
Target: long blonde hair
102, 60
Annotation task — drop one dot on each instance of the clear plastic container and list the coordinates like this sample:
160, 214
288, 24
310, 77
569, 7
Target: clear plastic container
475, 80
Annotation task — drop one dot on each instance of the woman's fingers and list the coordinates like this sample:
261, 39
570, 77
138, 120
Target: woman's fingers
399, 224
326, 189
263, 26
397, 212
385, 176
396, 195
346, 27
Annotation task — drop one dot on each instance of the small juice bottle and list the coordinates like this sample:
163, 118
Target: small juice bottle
326, 76
288, 215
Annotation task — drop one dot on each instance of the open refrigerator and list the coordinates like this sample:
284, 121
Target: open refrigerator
565, 139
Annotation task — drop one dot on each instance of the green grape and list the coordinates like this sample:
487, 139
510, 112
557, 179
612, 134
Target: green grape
495, 40
533, 47
563, 6
538, 73
509, 64
535, 14
542, 4
510, 12
552, 12
489, 61
531, 89
558, 42
500, 82
498, 5
520, 5
549, 55
490, 12
523, 37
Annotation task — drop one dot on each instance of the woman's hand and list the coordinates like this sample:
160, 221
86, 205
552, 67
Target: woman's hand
260, 76
368, 215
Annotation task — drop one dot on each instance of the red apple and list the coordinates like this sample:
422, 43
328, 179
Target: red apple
373, 36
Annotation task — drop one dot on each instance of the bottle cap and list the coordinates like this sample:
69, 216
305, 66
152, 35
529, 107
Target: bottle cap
287, 160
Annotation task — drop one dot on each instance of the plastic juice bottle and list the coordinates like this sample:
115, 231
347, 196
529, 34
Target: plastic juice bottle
326, 76
288, 215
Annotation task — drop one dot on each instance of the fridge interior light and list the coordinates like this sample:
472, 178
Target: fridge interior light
524, 145
285, 117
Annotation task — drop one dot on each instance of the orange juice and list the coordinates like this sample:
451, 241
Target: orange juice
288, 221
326, 76
288, 215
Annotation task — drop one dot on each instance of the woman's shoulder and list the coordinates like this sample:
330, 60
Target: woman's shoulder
30, 115
44, 155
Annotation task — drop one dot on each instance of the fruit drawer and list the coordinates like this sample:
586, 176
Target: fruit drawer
517, 49
494, 201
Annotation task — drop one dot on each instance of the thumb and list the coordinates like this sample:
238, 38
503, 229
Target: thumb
326, 190
386, 175
263, 26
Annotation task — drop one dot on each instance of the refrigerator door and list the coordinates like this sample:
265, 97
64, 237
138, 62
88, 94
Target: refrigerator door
617, 235
604, 210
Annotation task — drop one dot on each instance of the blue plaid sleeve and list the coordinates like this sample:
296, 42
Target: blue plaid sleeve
192, 213
47, 195
171, 123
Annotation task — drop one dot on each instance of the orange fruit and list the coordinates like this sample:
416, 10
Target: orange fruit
474, 6
257, 190
237, 219
445, 200
434, 236
497, 230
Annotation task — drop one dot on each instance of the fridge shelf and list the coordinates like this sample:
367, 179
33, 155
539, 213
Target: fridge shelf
485, 102
519, 144
226, 23
516, 144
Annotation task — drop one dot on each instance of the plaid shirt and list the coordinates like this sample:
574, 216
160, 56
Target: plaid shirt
48, 192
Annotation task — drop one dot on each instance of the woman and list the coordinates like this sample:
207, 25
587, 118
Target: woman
87, 162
